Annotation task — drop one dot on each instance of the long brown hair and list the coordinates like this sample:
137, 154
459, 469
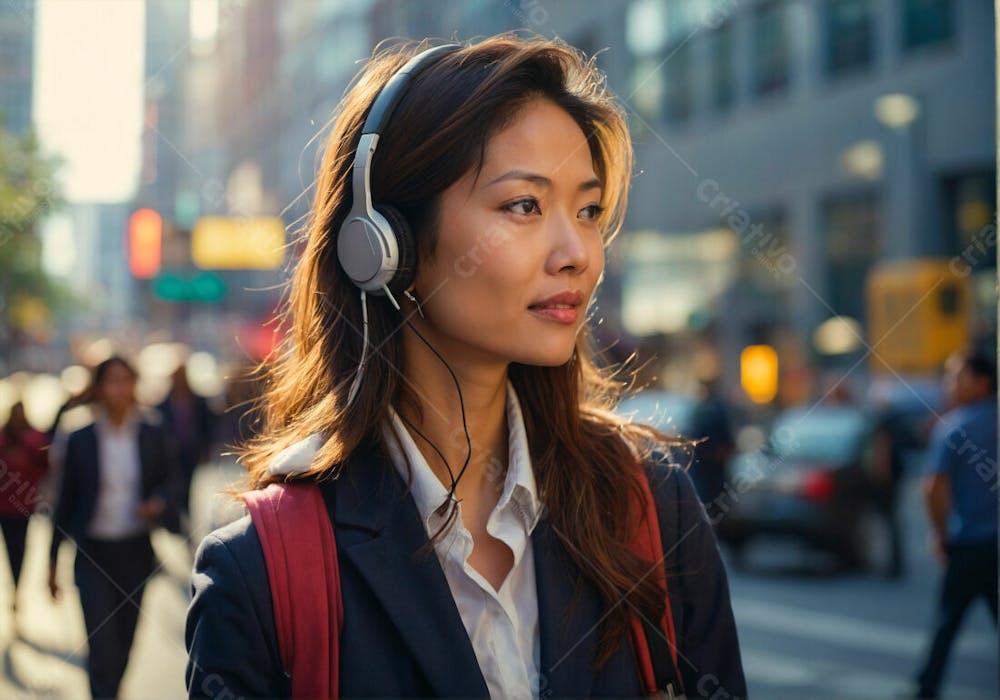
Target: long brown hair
581, 452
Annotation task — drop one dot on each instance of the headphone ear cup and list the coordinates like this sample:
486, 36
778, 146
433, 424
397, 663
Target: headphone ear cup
405, 244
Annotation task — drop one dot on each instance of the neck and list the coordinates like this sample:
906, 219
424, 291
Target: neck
484, 394
116, 417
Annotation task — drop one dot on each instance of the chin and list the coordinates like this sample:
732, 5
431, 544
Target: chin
553, 357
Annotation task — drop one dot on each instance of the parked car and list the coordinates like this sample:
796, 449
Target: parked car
670, 413
709, 420
810, 481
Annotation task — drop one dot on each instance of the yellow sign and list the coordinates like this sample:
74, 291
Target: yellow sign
759, 372
919, 312
238, 243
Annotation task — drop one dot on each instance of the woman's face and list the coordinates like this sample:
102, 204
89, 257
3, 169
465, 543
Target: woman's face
116, 391
519, 251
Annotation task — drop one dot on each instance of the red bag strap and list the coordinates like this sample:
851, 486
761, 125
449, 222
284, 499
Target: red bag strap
300, 552
647, 545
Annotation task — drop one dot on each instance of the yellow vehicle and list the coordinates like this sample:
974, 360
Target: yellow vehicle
919, 312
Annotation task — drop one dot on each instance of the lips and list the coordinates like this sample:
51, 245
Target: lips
562, 307
570, 298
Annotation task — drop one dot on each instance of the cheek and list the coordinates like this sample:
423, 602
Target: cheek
597, 258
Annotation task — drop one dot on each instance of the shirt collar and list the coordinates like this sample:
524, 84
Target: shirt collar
520, 482
128, 427
428, 491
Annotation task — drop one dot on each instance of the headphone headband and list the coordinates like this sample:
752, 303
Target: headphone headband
390, 94
374, 251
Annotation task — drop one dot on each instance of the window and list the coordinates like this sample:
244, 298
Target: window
721, 67
646, 26
647, 88
927, 23
852, 230
970, 219
848, 33
768, 264
771, 48
677, 83
645, 33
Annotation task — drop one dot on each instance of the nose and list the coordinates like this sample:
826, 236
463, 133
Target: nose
569, 251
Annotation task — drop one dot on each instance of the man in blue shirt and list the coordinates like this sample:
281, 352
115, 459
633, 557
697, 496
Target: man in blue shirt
961, 498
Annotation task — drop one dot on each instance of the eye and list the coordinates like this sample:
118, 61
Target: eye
525, 207
592, 212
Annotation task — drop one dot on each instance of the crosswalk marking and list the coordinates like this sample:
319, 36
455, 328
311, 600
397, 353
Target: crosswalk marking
835, 679
853, 633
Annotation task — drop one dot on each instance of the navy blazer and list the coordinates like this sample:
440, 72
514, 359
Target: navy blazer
81, 480
403, 635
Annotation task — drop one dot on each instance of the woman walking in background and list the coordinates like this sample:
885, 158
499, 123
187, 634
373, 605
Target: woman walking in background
24, 463
116, 482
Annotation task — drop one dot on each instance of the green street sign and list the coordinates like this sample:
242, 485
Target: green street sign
206, 287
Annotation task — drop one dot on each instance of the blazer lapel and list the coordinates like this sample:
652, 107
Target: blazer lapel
146, 458
378, 529
88, 478
567, 635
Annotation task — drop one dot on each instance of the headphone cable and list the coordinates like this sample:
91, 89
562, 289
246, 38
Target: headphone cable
461, 404
356, 384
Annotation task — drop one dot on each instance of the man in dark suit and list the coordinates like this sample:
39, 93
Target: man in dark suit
189, 423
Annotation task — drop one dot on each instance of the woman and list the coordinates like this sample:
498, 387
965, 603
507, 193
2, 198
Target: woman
23, 465
472, 421
115, 485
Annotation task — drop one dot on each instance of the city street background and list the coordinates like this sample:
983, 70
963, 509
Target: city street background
811, 233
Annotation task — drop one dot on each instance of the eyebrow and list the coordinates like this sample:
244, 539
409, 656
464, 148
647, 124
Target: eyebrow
541, 180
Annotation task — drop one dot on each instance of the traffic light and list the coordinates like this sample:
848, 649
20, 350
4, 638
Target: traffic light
759, 372
145, 234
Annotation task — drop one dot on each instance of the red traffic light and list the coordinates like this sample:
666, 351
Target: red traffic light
145, 233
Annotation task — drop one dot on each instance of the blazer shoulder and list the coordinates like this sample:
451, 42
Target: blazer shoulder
86, 432
241, 543
682, 518
698, 585
673, 489
81, 444
230, 633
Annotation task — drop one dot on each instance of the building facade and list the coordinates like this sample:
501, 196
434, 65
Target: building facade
17, 45
783, 147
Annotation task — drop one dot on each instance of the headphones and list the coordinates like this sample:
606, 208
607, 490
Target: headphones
374, 244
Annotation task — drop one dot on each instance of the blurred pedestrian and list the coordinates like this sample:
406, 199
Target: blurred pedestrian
115, 487
189, 424
711, 421
890, 441
486, 501
241, 418
23, 465
961, 499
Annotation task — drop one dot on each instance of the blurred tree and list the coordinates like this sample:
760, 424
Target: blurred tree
28, 191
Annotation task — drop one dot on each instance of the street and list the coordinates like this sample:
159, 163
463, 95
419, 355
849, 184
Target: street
852, 636
802, 633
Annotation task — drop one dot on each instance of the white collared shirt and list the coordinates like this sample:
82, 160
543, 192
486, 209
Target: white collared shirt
120, 488
502, 624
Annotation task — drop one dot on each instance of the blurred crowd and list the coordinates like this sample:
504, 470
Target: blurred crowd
107, 471
116, 460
